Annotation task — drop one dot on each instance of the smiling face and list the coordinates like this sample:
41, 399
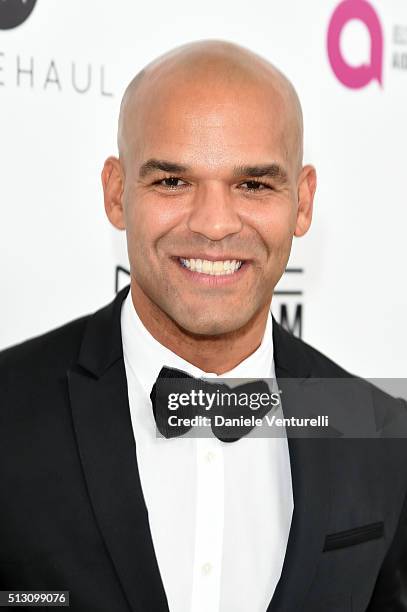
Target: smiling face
210, 192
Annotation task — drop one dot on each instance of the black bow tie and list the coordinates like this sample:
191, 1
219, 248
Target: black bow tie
178, 398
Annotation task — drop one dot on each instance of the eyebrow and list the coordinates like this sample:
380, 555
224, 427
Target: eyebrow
273, 170
152, 165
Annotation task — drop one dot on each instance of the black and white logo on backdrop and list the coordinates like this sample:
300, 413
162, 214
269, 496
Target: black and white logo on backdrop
14, 12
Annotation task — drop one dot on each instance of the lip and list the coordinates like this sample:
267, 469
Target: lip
210, 280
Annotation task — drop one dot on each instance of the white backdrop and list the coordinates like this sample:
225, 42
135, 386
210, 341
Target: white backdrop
58, 252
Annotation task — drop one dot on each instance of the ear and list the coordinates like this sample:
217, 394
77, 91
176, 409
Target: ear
307, 185
113, 184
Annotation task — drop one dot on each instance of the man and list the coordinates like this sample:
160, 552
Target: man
210, 189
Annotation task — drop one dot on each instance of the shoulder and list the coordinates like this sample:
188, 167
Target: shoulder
301, 359
42, 356
39, 365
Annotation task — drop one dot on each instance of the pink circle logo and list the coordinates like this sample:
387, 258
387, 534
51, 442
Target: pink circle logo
355, 77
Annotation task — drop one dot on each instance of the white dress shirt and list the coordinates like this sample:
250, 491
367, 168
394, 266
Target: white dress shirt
219, 512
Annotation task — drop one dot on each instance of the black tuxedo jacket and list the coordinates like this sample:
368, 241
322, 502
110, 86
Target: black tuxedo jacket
72, 513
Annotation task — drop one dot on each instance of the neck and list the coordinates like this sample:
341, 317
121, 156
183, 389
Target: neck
218, 354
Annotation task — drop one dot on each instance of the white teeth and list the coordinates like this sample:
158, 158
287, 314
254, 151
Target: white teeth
206, 266
214, 268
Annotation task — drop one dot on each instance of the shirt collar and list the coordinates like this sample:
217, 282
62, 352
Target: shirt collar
146, 356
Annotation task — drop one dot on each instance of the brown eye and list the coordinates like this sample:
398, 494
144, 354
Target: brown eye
170, 182
256, 186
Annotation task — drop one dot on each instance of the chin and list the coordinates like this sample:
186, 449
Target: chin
210, 326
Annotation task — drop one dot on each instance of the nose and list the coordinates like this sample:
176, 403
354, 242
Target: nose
213, 214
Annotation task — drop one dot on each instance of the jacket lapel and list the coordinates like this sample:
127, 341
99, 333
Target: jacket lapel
101, 417
310, 472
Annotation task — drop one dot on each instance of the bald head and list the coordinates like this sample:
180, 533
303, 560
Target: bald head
222, 70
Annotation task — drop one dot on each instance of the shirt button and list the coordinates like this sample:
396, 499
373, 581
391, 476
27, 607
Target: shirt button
210, 456
206, 569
